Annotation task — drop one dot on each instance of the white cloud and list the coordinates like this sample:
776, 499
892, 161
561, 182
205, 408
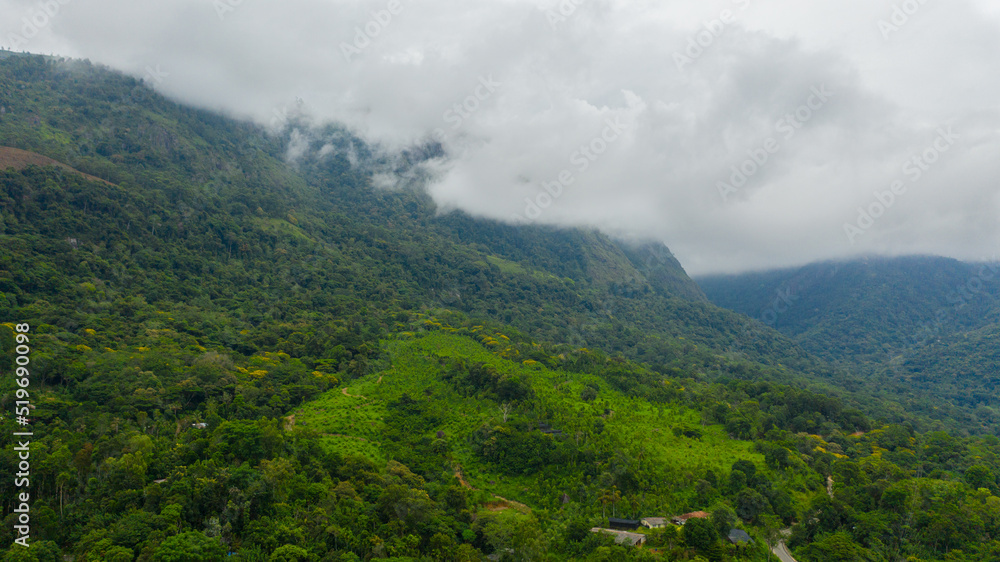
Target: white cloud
560, 82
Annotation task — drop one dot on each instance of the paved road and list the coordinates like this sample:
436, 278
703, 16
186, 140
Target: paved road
781, 551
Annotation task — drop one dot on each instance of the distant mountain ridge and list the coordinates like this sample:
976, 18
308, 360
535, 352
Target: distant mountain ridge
899, 322
832, 301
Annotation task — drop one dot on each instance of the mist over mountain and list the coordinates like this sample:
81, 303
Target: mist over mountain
743, 136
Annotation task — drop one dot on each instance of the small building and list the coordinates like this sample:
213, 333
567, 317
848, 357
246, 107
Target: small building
682, 519
199, 425
622, 537
654, 522
739, 537
624, 524
548, 430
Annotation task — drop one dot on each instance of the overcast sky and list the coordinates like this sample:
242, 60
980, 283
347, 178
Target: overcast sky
745, 134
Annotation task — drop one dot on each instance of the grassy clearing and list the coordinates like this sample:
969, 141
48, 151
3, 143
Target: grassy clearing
352, 422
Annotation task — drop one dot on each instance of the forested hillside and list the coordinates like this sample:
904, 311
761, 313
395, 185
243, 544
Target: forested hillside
920, 329
192, 183
237, 352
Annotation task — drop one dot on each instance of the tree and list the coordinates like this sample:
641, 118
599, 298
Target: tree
467, 553
737, 481
723, 518
772, 531
41, 551
750, 504
119, 554
612, 496
291, 553
505, 409
748, 468
192, 546
700, 534
667, 536
980, 476
838, 547
441, 546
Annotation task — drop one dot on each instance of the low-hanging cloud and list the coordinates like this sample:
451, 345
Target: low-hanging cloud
745, 133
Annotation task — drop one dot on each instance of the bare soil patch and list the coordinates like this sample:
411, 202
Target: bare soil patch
20, 159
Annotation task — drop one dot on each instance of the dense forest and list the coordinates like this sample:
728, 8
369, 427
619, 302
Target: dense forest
236, 355
921, 329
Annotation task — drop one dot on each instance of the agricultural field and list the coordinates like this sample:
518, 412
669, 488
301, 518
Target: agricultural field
666, 442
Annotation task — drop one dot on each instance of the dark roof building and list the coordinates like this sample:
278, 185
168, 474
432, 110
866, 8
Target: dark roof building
624, 524
738, 537
547, 429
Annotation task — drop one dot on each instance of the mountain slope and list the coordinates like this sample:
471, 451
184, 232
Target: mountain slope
890, 301
190, 181
919, 329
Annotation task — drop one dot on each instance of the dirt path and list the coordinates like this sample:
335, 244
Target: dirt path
500, 505
344, 391
344, 436
461, 478
510, 504
829, 486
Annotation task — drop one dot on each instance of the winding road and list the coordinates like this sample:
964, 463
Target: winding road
781, 551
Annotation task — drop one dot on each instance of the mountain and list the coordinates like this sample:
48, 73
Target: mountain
190, 185
918, 328
240, 341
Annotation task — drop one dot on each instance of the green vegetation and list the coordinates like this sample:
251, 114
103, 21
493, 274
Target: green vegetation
919, 331
234, 355
431, 385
